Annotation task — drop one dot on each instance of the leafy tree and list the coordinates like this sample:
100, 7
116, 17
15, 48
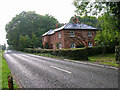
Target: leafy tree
3, 47
22, 27
89, 20
108, 33
34, 40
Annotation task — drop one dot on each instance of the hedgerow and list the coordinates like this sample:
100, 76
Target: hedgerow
77, 54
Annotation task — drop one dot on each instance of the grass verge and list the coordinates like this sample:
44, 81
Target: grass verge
5, 73
107, 59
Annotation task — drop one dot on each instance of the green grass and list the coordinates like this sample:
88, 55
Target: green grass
107, 59
5, 73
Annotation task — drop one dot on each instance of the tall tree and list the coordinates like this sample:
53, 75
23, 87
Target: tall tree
24, 25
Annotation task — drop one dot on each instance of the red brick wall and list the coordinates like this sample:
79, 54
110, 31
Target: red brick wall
81, 36
54, 39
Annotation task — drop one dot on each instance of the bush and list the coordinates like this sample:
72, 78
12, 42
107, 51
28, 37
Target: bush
77, 54
80, 46
99, 50
46, 45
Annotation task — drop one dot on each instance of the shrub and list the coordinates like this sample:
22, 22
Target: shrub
46, 45
77, 54
80, 46
99, 50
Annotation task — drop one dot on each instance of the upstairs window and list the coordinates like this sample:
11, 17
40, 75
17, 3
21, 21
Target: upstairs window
72, 45
59, 34
72, 34
44, 38
89, 34
90, 44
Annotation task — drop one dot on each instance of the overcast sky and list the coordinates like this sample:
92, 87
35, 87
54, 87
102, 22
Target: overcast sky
62, 10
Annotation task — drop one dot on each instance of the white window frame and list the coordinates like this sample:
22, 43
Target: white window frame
72, 34
59, 34
60, 46
72, 45
89, 34
90, 44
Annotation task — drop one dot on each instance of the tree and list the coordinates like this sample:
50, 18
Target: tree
23, 26
3, 47
34, 40
89, 20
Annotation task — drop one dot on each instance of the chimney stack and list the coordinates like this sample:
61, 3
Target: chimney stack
74, 19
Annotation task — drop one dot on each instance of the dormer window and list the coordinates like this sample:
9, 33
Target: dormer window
89, 34
72, 34
59, 34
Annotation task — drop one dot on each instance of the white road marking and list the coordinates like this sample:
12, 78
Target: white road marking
61, 69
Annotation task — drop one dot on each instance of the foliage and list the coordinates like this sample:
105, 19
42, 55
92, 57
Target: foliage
107, 59
46, 45
97, 7
89, 20
79, 54
99, 50
57, 45
3, 47
109, 33
28, 26
80, 46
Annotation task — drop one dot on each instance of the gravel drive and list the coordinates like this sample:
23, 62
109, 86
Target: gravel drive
41, 72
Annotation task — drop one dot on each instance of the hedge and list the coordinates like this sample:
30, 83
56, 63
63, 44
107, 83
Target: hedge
99, 50
77, 54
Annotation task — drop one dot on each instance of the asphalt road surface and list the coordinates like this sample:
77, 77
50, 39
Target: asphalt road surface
34, 71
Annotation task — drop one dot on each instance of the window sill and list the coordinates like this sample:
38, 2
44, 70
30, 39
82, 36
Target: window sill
90, 46
71, 36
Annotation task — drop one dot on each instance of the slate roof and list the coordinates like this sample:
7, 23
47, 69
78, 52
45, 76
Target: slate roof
70, 26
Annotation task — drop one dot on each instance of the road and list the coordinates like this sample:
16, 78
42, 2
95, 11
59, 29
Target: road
34, 71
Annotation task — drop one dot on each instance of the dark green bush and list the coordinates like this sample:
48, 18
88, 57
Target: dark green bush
80, 46
79, 54
99, 50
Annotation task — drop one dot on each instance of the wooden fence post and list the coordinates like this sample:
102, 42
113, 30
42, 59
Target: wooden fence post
10, 83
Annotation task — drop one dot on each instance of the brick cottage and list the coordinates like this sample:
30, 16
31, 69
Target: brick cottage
70, 35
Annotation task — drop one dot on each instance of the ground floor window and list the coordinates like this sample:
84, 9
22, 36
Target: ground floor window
90, 44
60, 46
72, 45
50, 46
